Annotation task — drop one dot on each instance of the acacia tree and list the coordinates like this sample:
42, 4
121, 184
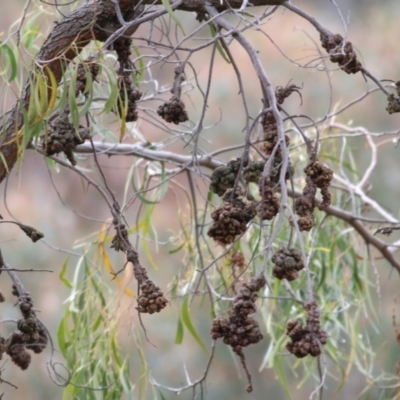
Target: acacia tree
267, 239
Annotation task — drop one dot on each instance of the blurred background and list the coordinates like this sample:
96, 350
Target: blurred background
57, 203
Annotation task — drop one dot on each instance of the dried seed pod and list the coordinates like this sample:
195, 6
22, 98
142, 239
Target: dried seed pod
151, 299
231, 219
288, 263
16, 350
223, 177
239, 330
321, 176
173, 111
38, 345
118, 242
304, 206
62, 137
341, 52
309, 339
269, 205
252, 172
281, 93
394, 101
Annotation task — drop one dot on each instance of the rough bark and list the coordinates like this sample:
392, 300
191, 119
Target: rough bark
94, 20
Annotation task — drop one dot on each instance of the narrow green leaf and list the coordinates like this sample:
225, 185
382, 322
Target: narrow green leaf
62, 333
171, 13
140, 196
112, 81
179, 332
63, 272
189, 325
177, 249
220, 50
161, 395
11, 59
138, 76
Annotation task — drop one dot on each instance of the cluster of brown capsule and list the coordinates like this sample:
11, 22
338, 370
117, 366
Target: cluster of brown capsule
287, 264
62, 137
239, 330
174, 110
230, 220
318, 176
29, 335
341, 52
307, 339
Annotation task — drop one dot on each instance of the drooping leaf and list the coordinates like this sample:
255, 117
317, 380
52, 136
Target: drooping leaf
11, 61
187, 320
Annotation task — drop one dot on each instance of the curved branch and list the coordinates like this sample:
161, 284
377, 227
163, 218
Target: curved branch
211, 163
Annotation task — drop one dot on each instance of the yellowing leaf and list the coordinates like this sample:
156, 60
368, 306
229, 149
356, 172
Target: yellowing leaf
107, 262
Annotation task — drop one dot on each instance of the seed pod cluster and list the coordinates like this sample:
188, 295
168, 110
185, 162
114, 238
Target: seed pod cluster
270, 136
121, 237
151, 299
29, 335
128, 93
223, 177
394, 101
231, 219
253, 171
17, 351
88, 66
304, 206
281, 93
62, 137
341, 52
269, 205
174, 110
287, 263
239, 330
321, 176
318, 176
309, 339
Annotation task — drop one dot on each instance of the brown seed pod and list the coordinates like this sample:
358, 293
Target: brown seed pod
269, 205
309, 339
16, 350
173, 111
321, 176
61, 136
252, 172
231, 219
151, 299
341, 52
304, 206
223, 177
288, 263
281, 93
239, 329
